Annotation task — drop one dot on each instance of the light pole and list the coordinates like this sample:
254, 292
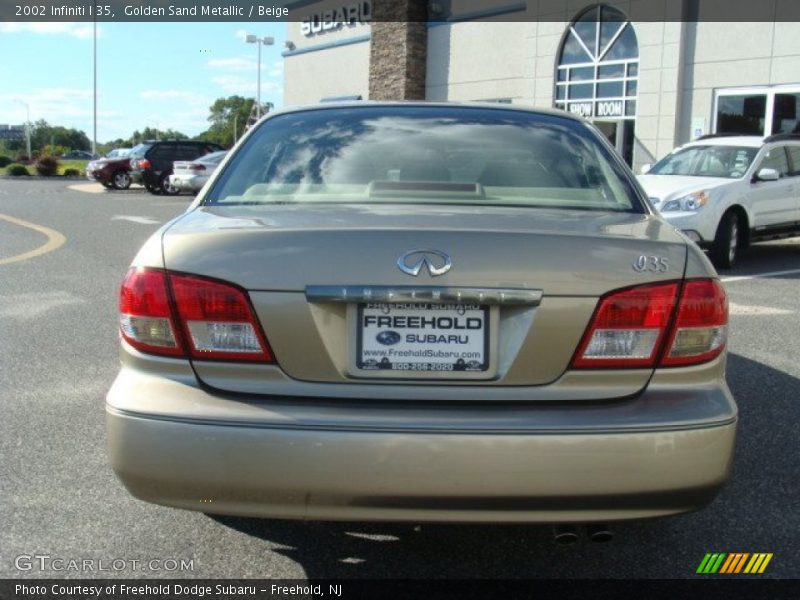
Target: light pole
267, 41
27, 126
94, 108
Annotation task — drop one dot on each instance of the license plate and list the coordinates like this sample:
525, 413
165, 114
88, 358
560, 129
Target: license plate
423, 337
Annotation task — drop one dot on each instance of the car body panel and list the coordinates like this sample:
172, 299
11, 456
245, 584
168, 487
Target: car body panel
487, 465
279, 247
103, 169
307, 437
766, 204
162, 154
186, 179
674, 186
773, 202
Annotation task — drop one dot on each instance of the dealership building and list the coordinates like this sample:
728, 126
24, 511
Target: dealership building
651, 74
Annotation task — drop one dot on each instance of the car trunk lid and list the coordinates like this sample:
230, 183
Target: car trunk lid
290, 247
284, 254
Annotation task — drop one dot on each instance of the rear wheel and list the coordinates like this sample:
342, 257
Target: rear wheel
153, 189
725, 249
166, 187
121, 180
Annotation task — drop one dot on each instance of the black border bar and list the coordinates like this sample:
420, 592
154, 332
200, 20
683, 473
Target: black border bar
431, 11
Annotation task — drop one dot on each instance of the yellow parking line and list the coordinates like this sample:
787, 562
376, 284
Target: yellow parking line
54, 240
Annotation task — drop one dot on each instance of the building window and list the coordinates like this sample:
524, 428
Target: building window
743, 114
758, 110
786, 113
598, 66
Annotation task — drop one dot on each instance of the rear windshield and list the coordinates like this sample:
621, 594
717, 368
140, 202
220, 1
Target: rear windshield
417, 154
730, 162
140, 150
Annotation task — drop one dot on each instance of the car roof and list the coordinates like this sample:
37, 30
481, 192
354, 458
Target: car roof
554, 112
752, 141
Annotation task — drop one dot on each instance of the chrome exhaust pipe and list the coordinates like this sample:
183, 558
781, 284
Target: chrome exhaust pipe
599, 533
565, 535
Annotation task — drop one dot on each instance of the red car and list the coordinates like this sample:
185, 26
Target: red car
113, 171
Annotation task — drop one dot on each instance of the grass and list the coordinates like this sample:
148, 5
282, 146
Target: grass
63, 165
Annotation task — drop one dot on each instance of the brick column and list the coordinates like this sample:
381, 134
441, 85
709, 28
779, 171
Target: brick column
398, 50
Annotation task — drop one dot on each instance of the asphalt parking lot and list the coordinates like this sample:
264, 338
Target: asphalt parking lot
60, 498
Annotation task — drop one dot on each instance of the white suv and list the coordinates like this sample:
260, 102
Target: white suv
727, 191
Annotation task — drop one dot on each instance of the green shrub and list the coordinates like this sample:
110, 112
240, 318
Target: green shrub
54, 150
5, 161
72, 173
17, 170
47, 166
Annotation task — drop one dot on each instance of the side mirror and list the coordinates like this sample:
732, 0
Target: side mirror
644, 169
767, 175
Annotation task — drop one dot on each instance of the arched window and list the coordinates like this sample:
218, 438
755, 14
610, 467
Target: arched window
598, 66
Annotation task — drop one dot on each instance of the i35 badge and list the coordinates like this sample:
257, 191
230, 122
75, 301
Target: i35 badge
411, 263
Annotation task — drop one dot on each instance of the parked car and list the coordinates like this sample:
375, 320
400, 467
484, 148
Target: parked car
422, 312
190, 176
725, 192
78, 155
111, 171
118, 152
151, 162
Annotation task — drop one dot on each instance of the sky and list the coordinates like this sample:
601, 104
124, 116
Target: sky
161, 75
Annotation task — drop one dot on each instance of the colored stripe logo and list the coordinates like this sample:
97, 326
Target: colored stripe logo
733, 563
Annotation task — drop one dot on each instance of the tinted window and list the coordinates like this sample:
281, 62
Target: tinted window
743, 114
786, 113
706, 161
776, 159
187, 151
452, 154
140, 150
162, 151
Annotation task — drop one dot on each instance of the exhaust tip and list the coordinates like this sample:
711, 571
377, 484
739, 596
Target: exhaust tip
600, 534
565, 535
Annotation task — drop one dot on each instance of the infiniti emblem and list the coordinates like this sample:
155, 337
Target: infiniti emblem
438, 263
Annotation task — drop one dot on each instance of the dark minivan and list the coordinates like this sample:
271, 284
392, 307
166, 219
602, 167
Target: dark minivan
151, 161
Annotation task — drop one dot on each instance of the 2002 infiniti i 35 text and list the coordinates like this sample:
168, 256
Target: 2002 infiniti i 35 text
424, 312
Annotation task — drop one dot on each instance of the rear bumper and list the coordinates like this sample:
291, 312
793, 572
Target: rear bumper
286, 468
190, 183
144, 177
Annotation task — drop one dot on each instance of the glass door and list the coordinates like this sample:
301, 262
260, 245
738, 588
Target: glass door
620, 135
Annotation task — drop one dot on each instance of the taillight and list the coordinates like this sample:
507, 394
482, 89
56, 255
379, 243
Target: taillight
196, 167
701, 327
632, 328
189, 316
218, 320
627, 328
145, 316
142, 164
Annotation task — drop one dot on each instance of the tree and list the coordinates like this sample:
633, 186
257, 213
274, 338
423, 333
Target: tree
228, 118
44, 134
155, 134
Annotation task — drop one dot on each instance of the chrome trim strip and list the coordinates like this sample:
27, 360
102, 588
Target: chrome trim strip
424, 294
